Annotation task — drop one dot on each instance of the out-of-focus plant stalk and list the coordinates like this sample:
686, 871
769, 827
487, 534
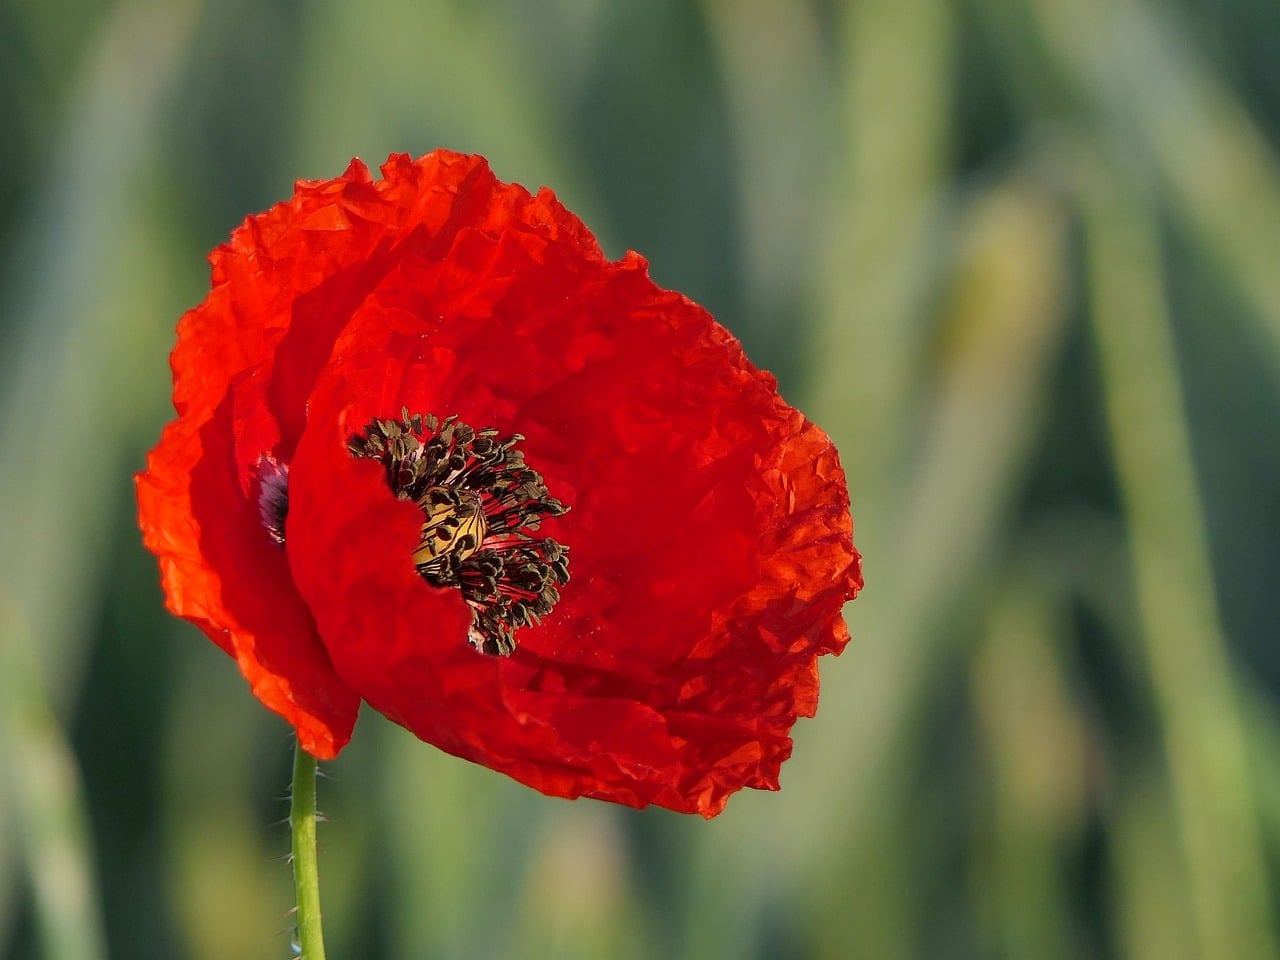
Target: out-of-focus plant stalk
1180, 626
41, 775
886, 190
1036, 742
1146, 80
1002, 318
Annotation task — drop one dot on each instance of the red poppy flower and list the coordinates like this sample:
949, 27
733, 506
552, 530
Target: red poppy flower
435, 452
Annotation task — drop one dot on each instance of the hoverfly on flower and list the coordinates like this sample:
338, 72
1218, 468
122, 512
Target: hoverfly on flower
455, 526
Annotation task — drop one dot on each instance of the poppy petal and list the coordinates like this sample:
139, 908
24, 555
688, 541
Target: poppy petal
709, 535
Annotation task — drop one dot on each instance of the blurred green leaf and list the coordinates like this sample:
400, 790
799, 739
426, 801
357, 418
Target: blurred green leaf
1043, 764
48, 817
1181, 631
1154, 93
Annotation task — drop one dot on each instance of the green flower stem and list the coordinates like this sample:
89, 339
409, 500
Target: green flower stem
306, 875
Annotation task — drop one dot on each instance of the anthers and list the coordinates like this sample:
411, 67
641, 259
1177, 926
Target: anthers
480, 503
273, 496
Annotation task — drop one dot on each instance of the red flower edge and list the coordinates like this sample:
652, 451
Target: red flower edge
709, 534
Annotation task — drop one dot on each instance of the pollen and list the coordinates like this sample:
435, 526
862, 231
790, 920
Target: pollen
481, 504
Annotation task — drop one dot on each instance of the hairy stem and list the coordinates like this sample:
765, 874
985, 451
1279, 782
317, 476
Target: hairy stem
306, 876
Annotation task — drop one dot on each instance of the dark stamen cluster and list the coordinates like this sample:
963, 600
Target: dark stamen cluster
479, 501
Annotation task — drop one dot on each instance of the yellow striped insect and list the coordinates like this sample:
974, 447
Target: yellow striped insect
455, 526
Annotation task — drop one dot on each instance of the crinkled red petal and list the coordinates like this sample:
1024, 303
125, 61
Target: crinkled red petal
283, 288
220, 571
710, 533
710, 537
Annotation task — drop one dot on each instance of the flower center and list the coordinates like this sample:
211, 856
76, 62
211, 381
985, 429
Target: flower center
480, 502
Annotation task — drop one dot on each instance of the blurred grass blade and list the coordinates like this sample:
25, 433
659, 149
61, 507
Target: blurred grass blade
74, 328
440, 863
1153, 921
228, 885
872, 275
1261, 716
444, 76
577, 901
73, 355
1185, 648
49, 811
1038, 746
9, 878
1002, 323
773, 59
1143, 76
878, 273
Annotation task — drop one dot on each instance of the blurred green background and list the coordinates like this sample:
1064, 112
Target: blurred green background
1021, 258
